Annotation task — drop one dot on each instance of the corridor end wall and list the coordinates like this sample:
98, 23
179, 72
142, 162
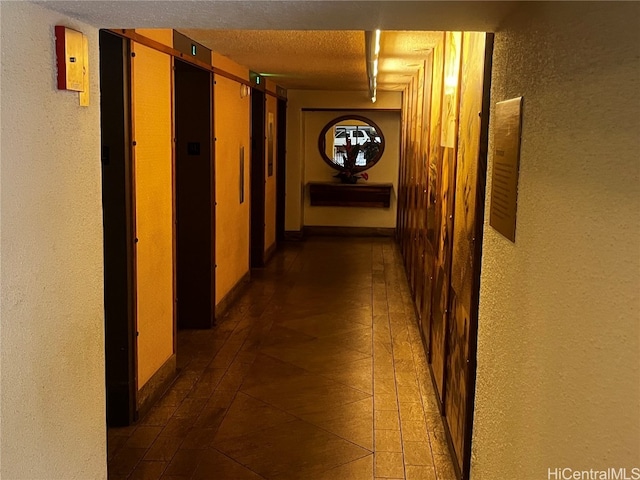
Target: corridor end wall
317, 99
384, 171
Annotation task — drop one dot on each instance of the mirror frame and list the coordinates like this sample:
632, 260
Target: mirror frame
322, 142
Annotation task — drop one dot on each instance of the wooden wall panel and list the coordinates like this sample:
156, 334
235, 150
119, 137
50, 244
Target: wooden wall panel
404, 175
467, 174
463, 261
423, 201
407, 171
416, 132
444, 211
434, 160
441, 201
412, 174
441, 274
418, 255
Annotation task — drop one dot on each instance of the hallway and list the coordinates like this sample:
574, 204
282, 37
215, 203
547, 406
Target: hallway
317, 372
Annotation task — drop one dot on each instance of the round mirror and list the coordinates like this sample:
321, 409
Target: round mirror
351, 143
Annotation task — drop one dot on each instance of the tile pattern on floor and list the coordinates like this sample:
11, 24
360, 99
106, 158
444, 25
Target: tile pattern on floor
317, 372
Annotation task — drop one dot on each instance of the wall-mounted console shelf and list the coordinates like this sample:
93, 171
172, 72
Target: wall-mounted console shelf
329, 194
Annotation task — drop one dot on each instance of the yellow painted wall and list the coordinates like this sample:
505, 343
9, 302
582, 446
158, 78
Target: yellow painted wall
229, 66
231, 129
385, 171
270, 86
162, 35
152, 113
270, 187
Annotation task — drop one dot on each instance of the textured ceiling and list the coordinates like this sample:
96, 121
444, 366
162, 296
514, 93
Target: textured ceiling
320, 60
313, 44
330, 60
289, 15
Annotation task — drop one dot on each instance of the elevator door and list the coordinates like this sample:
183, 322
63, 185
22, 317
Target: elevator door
195, 226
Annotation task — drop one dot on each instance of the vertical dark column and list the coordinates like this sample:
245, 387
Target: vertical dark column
195, 267
118, 219
256, 253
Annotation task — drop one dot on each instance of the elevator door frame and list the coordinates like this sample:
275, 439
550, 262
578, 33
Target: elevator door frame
118, 200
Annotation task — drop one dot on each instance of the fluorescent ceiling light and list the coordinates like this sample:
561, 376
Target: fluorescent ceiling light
372, 47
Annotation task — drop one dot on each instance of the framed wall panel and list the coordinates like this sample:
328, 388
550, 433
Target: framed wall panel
434, 161
424, 287
418, 255
464, 248
443, 173
444, 212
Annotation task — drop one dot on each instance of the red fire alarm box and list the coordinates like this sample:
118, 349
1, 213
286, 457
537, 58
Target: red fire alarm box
71, 59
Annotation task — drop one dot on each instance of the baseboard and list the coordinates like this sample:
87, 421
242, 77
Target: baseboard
269, 252
155, 387
232, 295
349, 231
293, 235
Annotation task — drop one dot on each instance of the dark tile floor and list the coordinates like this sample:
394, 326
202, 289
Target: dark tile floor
316, 373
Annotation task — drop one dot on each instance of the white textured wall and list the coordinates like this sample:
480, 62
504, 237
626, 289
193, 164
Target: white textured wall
296, 101
558, 382
52, 342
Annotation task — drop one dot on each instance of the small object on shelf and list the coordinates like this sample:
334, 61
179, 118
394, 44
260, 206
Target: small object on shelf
348, 177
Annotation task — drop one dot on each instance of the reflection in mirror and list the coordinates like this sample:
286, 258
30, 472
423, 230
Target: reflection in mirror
351, 143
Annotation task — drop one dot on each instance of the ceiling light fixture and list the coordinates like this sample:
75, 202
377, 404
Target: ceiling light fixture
372, 47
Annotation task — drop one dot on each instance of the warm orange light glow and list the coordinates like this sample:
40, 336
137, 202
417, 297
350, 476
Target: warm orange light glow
450, 84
